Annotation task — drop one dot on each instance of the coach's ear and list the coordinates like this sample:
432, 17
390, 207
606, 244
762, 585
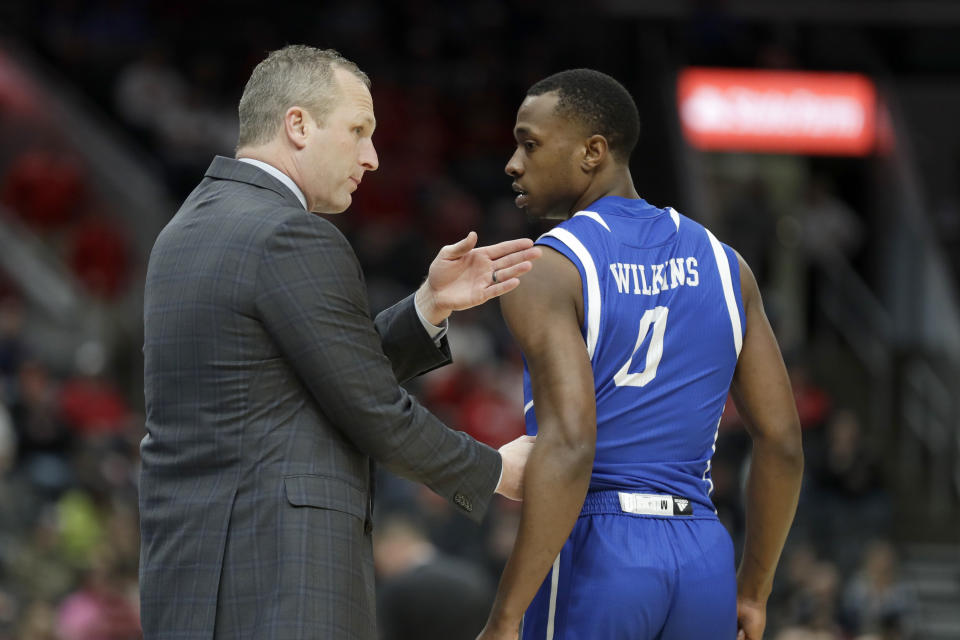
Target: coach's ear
595, 152
295, 125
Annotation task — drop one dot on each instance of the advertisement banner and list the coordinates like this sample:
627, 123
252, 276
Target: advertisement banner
777, 111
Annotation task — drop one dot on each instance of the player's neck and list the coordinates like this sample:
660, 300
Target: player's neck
618, 184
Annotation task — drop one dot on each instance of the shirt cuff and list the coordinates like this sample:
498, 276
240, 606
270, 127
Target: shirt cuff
432, 330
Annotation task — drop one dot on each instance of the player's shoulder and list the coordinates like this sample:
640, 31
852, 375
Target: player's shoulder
686, 224
699, 232
552, 285
587, 227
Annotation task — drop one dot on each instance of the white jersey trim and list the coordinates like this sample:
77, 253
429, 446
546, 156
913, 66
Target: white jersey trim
593, 284
554, 583
527, 407
675, 216
713, 449
593, 215
723, 265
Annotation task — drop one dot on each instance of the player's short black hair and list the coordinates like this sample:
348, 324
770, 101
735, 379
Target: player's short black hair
597, 101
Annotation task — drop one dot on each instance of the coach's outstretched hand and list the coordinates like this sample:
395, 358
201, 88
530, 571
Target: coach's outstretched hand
514, 455
464, 275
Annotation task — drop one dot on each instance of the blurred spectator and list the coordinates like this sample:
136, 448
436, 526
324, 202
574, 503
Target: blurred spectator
90, 403
847, 466
45, 441
489, 414
874, 600
106, 467
36, 564
891, 628
102, 608
44, 188
38, 622
449, 212
798, 561
147, 88
750, 223
804, 633
12, 349
424, 593
813, 401
845, 502
815, 604
447, 529
831, 229
502, 528
8, 615
80, 528
99, 256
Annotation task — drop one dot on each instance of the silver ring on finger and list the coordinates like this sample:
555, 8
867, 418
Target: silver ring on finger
493, 276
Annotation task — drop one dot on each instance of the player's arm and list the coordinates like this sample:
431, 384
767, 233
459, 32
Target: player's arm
761, 390
544, 314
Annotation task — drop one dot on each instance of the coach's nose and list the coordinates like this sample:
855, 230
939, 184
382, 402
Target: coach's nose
368, 156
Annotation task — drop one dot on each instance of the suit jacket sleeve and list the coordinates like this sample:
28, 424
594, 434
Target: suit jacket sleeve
311, 299
406, 343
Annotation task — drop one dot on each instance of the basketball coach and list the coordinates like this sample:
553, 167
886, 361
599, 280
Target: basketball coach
270, 390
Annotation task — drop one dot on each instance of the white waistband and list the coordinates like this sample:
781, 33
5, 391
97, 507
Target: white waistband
654, 504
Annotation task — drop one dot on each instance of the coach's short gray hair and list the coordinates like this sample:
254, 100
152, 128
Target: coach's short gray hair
296, 75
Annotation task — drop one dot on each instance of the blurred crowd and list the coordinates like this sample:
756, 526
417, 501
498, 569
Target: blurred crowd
446, 82
68, 517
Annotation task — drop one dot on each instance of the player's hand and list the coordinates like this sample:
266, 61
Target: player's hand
462, 275
751, 619
514, 455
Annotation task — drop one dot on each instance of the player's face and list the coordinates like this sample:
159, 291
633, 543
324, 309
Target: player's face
340, 149
546, 165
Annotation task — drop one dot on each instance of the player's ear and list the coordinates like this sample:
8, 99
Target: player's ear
595, 151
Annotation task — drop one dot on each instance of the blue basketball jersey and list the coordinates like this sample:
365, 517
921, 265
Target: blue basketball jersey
663, 326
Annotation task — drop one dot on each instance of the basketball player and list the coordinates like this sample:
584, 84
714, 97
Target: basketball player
634, 325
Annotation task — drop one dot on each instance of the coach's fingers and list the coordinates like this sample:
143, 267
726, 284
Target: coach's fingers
461, 248
517, 257
515, 271
500, 287
505, 248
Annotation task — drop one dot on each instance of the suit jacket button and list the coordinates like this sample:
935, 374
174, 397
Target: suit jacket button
463, 502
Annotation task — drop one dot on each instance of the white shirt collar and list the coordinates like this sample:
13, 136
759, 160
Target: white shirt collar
279, 175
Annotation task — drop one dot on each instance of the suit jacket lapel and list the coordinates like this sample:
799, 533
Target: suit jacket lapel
223, 168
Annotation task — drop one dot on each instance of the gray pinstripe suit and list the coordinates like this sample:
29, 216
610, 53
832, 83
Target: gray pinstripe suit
268, 389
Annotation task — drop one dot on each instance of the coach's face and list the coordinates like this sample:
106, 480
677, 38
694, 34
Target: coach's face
339, 150
546, 166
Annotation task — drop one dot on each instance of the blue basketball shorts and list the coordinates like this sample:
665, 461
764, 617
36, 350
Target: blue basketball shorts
627, 576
